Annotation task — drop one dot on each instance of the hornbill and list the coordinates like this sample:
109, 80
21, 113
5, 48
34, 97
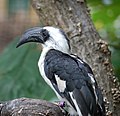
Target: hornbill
68, 75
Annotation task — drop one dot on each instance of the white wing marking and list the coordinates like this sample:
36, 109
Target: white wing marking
75, 103
60, 83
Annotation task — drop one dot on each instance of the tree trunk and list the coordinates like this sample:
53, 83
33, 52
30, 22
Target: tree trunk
73, 16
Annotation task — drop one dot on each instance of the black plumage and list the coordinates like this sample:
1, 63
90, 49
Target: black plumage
75, 74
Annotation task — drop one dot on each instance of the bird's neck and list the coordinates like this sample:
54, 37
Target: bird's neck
46, 50
61, 49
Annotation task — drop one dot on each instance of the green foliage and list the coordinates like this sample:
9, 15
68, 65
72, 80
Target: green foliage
106, 17
19, 74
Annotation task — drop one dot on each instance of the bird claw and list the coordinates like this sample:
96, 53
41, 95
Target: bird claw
62, 105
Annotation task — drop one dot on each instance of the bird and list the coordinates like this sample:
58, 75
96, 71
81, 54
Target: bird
70, 77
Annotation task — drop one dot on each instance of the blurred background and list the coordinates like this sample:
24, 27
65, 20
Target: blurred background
19, 75
15, 17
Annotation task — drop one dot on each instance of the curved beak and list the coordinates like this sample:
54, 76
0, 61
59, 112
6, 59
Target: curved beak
31, 35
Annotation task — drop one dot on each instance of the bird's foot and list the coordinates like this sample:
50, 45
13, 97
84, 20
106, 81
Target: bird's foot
62, 105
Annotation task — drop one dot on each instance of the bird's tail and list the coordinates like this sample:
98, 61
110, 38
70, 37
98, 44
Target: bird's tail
101, 106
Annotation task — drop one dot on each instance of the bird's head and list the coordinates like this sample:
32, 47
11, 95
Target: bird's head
49, 37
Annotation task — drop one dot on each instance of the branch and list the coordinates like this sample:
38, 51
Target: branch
29, 107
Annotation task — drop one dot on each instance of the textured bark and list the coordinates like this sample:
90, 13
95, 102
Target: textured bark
29, 107
74, 18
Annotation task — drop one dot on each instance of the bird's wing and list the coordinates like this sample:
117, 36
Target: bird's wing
71, 80
97, 91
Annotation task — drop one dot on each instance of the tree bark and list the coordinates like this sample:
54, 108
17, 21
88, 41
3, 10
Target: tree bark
29, 107
73, 16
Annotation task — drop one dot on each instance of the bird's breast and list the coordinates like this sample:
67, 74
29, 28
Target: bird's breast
42, 72
41, 65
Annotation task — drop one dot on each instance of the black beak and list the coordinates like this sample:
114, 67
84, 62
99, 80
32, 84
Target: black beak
32, 35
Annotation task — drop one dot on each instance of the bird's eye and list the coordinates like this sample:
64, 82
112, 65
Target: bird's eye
45, 34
